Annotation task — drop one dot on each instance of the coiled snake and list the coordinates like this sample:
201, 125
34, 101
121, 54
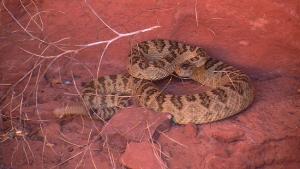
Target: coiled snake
231, 91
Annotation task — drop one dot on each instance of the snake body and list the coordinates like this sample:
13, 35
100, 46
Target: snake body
230, 93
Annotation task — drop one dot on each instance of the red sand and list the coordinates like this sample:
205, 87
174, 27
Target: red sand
260, 37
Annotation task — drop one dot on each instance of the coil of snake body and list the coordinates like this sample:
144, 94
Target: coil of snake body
231, 91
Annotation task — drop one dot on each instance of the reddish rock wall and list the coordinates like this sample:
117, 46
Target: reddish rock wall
260, 37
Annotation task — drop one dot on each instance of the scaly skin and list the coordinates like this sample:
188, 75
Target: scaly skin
156, 59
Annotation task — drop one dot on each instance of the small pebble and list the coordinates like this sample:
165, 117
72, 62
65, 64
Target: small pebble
67, 82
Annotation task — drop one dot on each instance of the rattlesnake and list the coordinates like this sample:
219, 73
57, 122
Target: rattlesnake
231, 91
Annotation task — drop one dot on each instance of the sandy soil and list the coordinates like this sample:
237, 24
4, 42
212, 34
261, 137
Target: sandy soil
41, 69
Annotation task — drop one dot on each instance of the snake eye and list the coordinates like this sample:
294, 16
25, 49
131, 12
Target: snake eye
185, 66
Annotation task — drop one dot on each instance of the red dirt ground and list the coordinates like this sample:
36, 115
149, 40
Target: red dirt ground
260, 37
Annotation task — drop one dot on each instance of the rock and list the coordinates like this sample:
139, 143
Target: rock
142, 155
117, 142
136, 124
191, 130
259, 37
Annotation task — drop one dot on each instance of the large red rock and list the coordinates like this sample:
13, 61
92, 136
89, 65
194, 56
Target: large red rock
142, 155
